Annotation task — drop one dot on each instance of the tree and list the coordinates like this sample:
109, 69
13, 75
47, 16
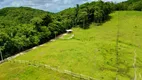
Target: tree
137, 6
55, 32
98, 15
76, 14
46, 20
83, 19
1, 53
37, 22
34, 40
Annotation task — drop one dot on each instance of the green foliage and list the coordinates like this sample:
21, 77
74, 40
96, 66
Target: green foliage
22, 28
86, 13
137, 6
130, 5
90, 52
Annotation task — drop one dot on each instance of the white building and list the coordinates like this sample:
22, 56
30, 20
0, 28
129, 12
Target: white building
69, 31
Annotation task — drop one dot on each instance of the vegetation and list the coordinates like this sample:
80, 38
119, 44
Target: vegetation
86, 13
92, 51
23, 27
102, 49
130, 5
25, 72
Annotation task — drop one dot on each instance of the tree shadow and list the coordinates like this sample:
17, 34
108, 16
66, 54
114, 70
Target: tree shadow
99, 23
102, 22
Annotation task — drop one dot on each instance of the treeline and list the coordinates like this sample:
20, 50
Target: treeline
129, 5
85, 14
22, 28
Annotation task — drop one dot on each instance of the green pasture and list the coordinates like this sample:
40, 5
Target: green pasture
91, 52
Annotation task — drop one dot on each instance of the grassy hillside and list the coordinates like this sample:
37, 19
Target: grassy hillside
22, 27
23, 72
90, 52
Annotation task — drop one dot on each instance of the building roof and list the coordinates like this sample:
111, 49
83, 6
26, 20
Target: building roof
69, 30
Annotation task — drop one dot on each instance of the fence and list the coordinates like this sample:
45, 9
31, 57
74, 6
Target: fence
36, 64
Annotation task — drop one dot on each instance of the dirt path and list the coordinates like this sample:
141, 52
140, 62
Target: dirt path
61, 37
134, 65
24, 52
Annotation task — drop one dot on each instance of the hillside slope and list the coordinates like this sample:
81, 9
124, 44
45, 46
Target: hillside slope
92, 52
22, 27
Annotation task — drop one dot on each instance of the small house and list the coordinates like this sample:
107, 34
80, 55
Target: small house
69, 31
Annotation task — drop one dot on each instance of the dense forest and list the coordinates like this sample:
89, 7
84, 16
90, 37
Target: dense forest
130, 5
22, 27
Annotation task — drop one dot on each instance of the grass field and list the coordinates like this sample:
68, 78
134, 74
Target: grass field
91, 52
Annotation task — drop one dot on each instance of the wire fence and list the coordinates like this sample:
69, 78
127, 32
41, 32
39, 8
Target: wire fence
37, 64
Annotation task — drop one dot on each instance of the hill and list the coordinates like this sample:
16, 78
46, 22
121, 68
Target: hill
22, 28
98, 52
